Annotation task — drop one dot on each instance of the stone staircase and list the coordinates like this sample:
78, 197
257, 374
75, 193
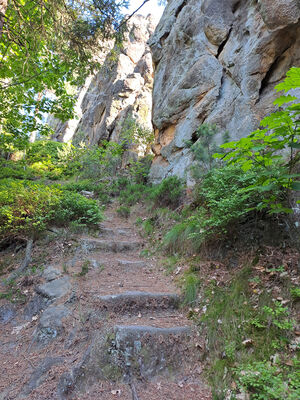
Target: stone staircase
147, 335
116, 331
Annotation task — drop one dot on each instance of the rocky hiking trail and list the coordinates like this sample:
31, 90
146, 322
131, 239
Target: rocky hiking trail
104, 324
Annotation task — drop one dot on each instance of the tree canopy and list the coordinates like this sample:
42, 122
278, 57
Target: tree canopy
46, 46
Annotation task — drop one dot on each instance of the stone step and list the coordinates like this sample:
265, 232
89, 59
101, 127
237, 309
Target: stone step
147, 351
105, 231
129, 351
136, 301
127, 264
110, 245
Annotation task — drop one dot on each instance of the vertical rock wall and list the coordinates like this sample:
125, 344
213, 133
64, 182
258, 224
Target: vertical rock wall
121, 89
217, 61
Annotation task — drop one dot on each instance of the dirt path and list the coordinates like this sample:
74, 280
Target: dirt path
103, 324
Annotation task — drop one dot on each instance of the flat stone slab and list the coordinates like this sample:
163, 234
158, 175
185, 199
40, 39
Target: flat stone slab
40, 374
131, 264
55, 289
110, 246
149, 351
51, 273
135, 301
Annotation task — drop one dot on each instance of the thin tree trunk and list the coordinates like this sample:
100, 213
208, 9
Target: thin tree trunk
32, 136
3, 7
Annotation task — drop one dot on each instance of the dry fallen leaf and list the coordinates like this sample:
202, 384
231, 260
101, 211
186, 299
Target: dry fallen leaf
247, 342
178, 269
116, 392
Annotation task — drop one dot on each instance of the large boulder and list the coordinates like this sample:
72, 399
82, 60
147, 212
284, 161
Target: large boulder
217, 62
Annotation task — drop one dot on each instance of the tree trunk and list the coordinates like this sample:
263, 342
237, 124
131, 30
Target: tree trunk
3, 7
32, 136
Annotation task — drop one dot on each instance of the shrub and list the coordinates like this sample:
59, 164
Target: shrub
47, 152
266, 381
222, 201
178, 238
27, 208
16, 170
168, 193
273, 152
74, 207
139, 170
132, 194
100, 189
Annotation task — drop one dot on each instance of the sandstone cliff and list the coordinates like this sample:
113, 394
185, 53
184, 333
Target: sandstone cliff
217, 61
122, 88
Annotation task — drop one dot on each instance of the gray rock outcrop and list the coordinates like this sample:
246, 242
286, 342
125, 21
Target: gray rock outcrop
217, 62
121, 89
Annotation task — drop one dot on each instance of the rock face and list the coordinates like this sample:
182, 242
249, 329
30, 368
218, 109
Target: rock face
217, 62
122, 88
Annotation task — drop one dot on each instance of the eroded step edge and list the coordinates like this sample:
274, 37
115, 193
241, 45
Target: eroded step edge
135, 300
110, 246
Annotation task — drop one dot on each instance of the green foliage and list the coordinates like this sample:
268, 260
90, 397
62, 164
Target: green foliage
266, 381
123, 211
96, 162
16, 170
132, 194
46, 47
278, 316
74, 207
139, 170
99, 189
223, 201
45, 151
177, 239
295, 293
149, 226
204, 148
84, 268
27, 208
241, 329
168, 193
273, 150
134, 134
219, 204
190, 287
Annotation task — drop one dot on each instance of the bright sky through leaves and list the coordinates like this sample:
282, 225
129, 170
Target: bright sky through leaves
151, 7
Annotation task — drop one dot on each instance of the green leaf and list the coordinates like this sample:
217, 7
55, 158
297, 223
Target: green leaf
292, 80
283, 100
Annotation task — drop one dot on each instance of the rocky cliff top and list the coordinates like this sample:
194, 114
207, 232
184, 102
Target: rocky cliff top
121, 89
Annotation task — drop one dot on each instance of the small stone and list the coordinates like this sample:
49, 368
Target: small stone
283, 274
